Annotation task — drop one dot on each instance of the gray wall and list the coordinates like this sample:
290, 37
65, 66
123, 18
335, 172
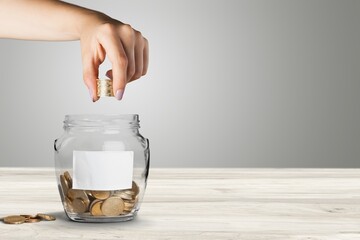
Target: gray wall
231, 84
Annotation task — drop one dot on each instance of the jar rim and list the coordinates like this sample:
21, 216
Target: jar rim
107, 115
97, 120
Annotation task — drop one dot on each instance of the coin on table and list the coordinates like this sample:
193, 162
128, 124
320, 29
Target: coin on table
102, 195
112, 206
46, 217
32, 220
14, 219
95, 208
27, 216
78, 205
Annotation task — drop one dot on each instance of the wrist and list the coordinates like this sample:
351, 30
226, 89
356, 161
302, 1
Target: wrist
91, 18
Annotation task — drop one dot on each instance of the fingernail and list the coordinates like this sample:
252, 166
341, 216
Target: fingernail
119, 94
91, 95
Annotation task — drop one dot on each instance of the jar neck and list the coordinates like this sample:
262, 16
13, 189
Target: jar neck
105, 123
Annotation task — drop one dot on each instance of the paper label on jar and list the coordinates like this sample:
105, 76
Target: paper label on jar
102, 170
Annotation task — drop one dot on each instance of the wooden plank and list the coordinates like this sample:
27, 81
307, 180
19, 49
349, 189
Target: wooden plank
202, 204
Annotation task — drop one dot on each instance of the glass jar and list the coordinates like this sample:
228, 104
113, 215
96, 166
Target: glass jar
102, 165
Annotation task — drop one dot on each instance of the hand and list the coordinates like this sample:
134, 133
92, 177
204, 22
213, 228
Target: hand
126, 48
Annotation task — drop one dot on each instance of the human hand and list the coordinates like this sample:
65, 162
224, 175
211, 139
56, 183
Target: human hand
126, 48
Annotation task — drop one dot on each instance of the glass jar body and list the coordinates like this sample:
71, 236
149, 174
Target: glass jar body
87, 184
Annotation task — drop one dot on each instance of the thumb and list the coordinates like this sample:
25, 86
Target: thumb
90, 75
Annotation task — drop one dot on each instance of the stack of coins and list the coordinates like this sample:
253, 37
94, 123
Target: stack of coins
98, 203
25, 218
105, 88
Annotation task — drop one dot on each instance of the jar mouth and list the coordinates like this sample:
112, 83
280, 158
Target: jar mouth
102, 120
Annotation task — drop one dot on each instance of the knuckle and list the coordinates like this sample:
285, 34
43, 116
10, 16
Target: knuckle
123, 61
139, 39
127, 30
108, 28
138, 72
138, 34
131, 70
137, 75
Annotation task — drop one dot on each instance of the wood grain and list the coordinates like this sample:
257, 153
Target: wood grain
254, 204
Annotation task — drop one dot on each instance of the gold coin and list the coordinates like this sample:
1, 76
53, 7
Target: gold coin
105, 88
64, 185
68, 178
78, 194
27, 216
135, 188
102, 195
88, 192
14, 219
32, 220
136, 200
68, 204
130, 192
78, 205
75, 193
112, 206
46, 217
125, 212
129, 205
123, 195
95, 208
128, 209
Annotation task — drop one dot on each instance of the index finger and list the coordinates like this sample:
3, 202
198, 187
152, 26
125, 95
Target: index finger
117, 56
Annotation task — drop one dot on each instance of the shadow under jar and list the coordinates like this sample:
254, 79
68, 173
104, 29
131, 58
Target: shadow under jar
101, 165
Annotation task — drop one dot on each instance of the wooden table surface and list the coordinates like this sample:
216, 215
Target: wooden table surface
201, 203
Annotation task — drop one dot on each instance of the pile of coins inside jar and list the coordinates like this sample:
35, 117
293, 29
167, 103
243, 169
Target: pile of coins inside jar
98, 203
25, 218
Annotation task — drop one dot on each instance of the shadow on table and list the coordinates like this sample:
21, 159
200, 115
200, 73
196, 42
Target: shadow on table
61, 216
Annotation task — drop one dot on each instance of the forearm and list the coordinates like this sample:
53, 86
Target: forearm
100, 37
44, 19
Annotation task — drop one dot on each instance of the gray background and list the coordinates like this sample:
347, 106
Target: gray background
231, 84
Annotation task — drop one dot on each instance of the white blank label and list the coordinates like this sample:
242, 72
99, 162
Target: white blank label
102, 170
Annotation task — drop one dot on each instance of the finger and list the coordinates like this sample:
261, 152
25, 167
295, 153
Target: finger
119, 69
127, 37
145, 57
138, 53
90, 74
109, 74
119, 61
